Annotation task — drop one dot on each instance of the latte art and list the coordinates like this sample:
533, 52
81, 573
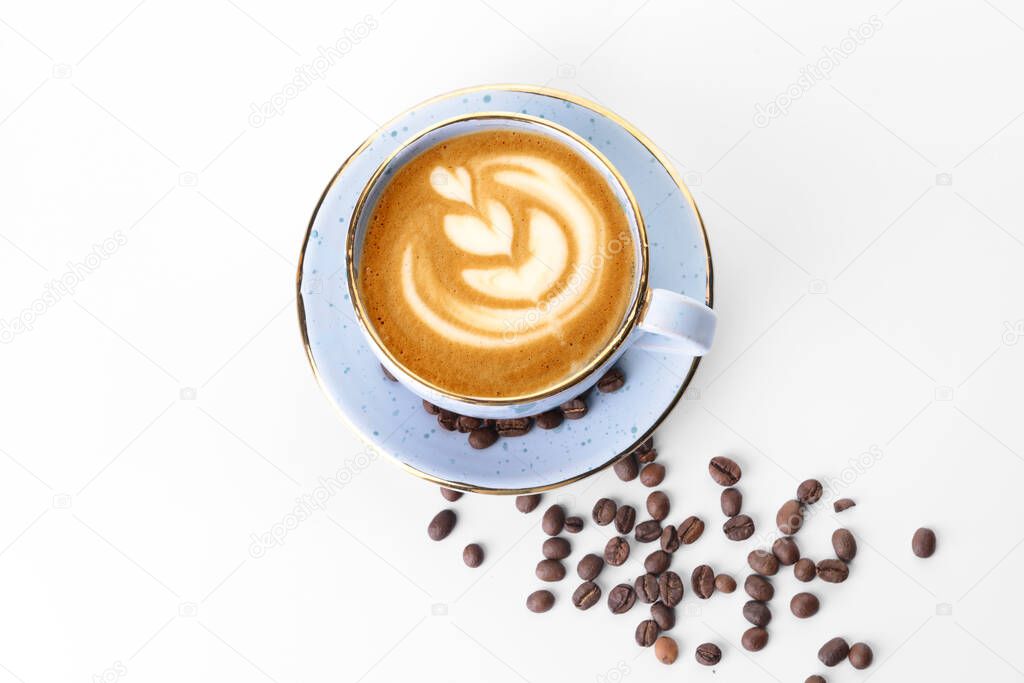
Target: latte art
497, 263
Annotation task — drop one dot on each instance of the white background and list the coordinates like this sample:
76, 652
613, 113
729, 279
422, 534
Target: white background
162, 413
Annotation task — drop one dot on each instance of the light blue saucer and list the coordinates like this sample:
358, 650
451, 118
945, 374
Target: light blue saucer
392, 420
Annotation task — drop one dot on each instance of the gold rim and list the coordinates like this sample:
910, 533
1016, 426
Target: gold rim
620, 336
533, 90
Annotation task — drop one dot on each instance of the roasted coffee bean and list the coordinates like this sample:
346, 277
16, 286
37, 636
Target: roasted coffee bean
616, 551
923, 543
790, 517
754, 639
621, 598
652, 475
646, 633
540, 601
441, 525
732, 502
387, 374
466, 424
738, 528
627, 468
657, 562
809, 492
804, 569
473, 555
815, 679
702, 580
670, 588
833, 571
763, 562
724, 471
804, 605
550, 570
515, 426
550, 419
553, 520
447, 419
604, 511
690, 529
556, 548
613, 380
450, 495
485, 437
861, 656
430, 408
663, 615
708, 654
574, 525
646, 587
589, 567
833, 652
725, 583
844, 544
625, 518
843, 504
648, 531
586, 595
658, 505
646, 452
666, 650
786, 550
574, 409
669, 539
757, 613
527, 503
759, 588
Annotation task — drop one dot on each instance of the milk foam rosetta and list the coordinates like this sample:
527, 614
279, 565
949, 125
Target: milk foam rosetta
496, 264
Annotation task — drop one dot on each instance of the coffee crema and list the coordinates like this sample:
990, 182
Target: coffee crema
497, 264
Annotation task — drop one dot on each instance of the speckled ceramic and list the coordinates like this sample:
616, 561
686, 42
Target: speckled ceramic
391, 418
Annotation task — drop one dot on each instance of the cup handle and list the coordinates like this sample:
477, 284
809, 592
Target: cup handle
675, 323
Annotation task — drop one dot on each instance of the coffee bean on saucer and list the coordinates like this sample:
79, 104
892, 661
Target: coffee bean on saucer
484, 437
648, 531
670, 588
586, 595
550, 570
527, 503
658, 505
690, 529
556, 548
574, 409
754, 639
809, 491
627, 468
790, 517
702, 580
550, 419
613, 380
804, 569
738, 528
843, 504
553, 521
447, 420
540, 601
621, 598
473, 555
815, 679
732, 502
441, 525
804, 605
574, 524
763, 562
708, 654
757, 613
844, 544
646, 587
652, 475
669, 539
430, 407
861, 656
759, 588
516, 426
657, 562
465, 424
604, 511
616, 551
450, 495
833, 571
833, 652
387, 373
589, 567
785, 548
724, 470
646, 633
663, 615
725, 583
625, 518
666, 650
923, 543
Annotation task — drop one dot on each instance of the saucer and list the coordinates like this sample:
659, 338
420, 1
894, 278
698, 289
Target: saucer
391, 419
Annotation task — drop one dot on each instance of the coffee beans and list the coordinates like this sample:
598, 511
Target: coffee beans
625, 518
515, 426
586, 595
725, 583
484, 437
550, 419
589, 567
466, 424
473, 555
757, 613
833, 571
574, 409
804, 569
621, 598
815, 679
923, 543
708, 654
646, 633
646, 452
732, 502
648, 531
574, 525
657, 562
430, 408
804, 605
441, 525
652, 475
627, 468
861, 656
690, 529
613, 380
724, 471
833, 652
738, 528
702, 580
843, 504
844, 544
450, 495
809, 492
663, 615
527, 504
556, 548
669, 539
646, 587
550, 570
447, 420
658, 505
759, 588
553, 521
540, 601
754, 639
670, 588
666, 650
616, 551
790, 517
763, 562
786, 550
604, 511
